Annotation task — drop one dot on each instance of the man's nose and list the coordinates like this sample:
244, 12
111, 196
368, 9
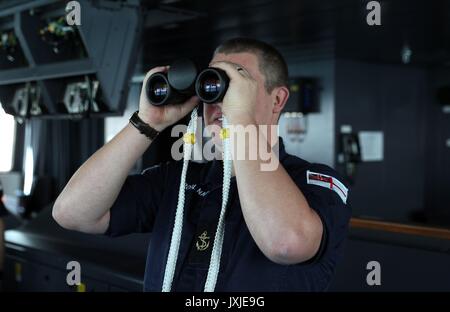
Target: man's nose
216, 105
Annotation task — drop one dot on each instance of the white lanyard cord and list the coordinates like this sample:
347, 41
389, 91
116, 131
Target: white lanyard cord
214, 266
178, 224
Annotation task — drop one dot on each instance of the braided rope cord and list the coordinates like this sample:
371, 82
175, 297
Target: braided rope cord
216, 253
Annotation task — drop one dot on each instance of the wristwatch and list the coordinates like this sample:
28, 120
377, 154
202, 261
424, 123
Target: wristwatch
143, 127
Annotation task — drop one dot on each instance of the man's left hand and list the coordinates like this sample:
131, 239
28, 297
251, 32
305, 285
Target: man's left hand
239, 102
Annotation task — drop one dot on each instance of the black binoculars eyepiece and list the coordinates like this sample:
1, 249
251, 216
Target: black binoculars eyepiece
175, 86
211, 85
158, 89
182, 81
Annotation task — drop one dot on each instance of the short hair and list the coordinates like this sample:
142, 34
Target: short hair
271, 63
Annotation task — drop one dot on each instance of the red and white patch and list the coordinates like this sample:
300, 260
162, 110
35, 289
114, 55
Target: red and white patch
328, 182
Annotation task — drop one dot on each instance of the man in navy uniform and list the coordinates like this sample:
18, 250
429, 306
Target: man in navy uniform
283, 229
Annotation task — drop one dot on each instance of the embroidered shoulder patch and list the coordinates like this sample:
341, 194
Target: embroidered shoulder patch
328, 182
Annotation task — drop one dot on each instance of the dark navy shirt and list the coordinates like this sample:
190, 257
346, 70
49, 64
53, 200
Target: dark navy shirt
147, 203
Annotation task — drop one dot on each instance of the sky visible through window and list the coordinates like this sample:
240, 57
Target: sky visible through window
7, 137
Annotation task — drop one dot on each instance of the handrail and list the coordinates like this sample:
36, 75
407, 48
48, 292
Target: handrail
400, 228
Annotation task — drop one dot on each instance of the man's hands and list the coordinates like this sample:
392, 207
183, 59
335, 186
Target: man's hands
160, 117
239, 103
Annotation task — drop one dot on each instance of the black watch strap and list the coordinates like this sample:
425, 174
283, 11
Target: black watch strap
143, 127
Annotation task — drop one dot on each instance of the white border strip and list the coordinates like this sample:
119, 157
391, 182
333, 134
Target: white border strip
336, 185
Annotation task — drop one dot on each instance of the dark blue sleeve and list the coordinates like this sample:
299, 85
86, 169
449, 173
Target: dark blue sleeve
137, 204
327, 193
333, 209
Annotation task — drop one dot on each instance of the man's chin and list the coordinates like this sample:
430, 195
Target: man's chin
217, 123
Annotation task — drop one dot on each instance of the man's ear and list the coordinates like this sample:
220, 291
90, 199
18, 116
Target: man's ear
280, 96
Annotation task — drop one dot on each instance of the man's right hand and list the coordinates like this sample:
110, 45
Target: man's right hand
84, 203
160, 117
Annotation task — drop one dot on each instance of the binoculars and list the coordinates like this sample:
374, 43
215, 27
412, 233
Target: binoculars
183, 81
